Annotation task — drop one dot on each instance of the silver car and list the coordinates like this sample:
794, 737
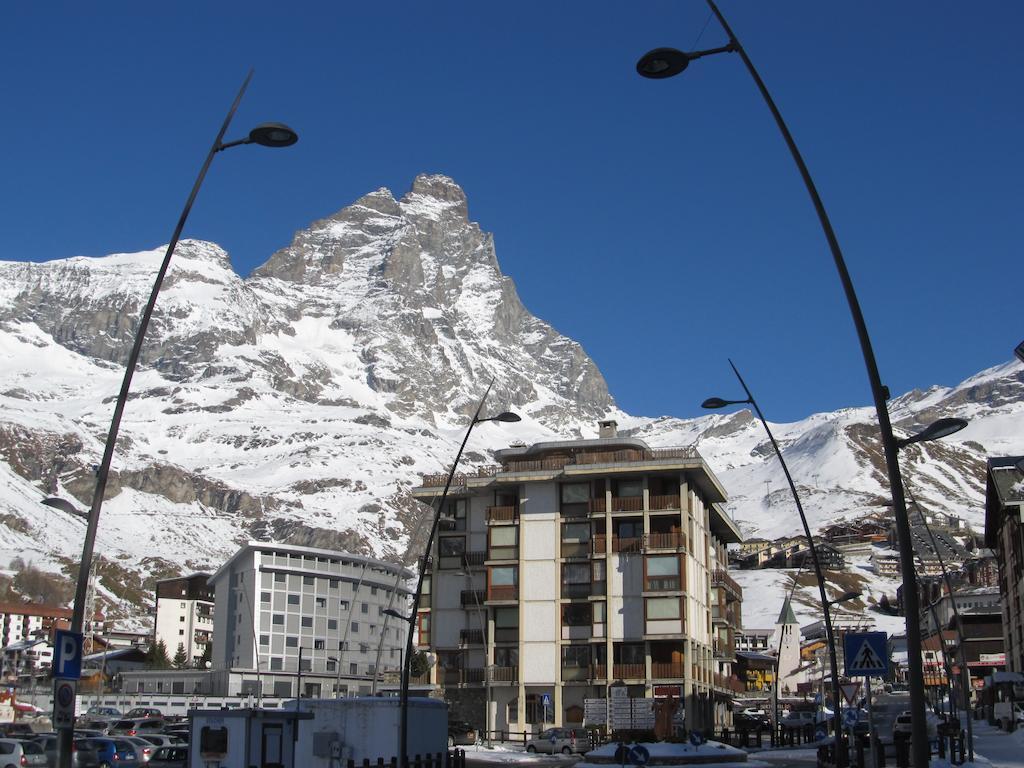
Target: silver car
555, 740
27, 754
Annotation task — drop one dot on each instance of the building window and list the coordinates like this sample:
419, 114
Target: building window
277, 618
307, 621
575, 499
264, 597
576, 579
577, 614
279, 578
344, 605
661, 573
276, 662
576, 656
365, 608
264, 639
308, 581
321, 602
503, 542
355, 627
291, 642
502, 582
454, 516
506, 625
293, 599
662, 608
318, 645
352, 669
334, 584
629, 488
364, 648
373, 590
451, 550
332, 623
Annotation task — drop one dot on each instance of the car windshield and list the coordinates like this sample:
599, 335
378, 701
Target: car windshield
31, 748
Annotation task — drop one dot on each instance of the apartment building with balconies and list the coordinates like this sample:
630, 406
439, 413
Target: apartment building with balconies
184, 615
576, 565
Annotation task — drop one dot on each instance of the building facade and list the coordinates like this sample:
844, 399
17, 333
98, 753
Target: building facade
299, 621
1004, 534
575, 566
184, 616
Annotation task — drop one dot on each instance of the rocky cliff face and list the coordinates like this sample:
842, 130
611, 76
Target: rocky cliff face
301, 403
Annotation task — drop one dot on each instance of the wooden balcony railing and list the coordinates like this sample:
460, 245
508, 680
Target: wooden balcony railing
631, 544
508, 514
668, 669
504, 674
629, 671
461, 676
597, 506
670, 540
597, 543
667, 501
720, 578
503, 592
627, 503
423, 679
598, 671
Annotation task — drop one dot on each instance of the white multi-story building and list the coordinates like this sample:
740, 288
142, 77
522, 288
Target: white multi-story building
299, 621
184, 615
575, 566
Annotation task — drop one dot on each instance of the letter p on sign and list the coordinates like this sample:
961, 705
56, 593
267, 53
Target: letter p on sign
67, 655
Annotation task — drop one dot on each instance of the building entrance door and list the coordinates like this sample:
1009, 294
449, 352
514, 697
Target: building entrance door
272, 746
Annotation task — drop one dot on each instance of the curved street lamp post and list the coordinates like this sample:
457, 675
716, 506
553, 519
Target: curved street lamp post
267, 135
666, 62
717, 402
403, 736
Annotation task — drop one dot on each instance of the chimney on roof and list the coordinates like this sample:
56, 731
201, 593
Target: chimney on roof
608, 428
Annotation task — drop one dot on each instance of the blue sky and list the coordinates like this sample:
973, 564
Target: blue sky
660, 223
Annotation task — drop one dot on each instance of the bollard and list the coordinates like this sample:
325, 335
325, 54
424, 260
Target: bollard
902, 751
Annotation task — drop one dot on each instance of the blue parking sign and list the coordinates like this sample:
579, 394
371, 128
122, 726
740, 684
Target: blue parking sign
67, 655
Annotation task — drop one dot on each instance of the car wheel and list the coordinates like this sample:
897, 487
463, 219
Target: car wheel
566, 750
104, 765
451, 741
531, 748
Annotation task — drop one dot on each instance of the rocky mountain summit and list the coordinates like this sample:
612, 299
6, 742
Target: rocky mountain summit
301, 403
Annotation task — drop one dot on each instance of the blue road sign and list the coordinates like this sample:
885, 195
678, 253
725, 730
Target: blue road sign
638, 755
67, 655
850, 717
867, 654
697, 738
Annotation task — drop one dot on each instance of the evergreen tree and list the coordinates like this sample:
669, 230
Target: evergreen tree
420, 664
207, 658
180, 660
158, 656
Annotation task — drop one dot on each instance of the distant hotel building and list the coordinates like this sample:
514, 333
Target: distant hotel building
578, 565
184, 615
277, 604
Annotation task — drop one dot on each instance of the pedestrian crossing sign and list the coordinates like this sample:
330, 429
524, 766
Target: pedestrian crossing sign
867, 654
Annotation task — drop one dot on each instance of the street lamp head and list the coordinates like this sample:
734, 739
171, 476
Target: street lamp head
506, 416
1019, 351
934, 431
662, 62
717, 402
397, 615
273, 135
845, 597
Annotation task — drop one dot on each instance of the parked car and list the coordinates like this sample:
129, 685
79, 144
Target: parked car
113, 752
136, 726
796, 719
81, 756
460, 732
16, 730
555, 740
104, 713
170, 757
26, 754
904, 720
143, 749
143, 712
165, 739
751, 720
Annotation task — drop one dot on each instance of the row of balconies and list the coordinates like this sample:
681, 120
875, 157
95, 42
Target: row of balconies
599, 506
721, 578
649, 542
595, 673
